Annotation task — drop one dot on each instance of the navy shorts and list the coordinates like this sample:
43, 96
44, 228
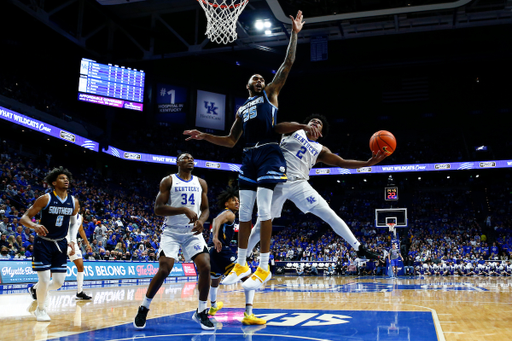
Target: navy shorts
264, 164
48, 257
222, 262
394, 262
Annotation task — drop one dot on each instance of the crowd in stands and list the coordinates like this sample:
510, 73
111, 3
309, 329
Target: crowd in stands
120, 224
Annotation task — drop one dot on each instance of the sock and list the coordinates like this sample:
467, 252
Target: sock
264, 260
249, 299
356, 246
213, 296
202, 306
242, 255
146, 302
79, 282
248, 309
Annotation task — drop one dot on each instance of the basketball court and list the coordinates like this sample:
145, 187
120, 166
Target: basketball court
296, 308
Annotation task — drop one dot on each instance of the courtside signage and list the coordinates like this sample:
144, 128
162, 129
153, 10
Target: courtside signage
21, 271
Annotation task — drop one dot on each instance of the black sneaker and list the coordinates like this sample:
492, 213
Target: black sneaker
140, 319
82, 296
32, 292
203, 320
364, 253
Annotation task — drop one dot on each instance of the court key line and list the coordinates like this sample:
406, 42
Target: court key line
295, 337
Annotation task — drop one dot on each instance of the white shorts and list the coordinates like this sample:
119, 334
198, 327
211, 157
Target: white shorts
77, 255
190, 244
300, 192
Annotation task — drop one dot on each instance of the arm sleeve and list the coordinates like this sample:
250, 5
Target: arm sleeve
74, 224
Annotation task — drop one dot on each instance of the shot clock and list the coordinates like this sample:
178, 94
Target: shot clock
391, 193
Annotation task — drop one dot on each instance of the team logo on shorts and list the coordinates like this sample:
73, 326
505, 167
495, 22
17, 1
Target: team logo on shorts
232, 259
282, 169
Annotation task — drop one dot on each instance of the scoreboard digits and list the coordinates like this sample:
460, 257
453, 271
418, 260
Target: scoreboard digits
391, 193
112, 81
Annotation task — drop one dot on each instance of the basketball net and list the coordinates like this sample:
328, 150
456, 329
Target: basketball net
392, 228
221, 17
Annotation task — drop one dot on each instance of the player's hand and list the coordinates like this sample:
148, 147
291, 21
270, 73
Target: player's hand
40, 230
198, 227
218, 244
191, 215
297, 22
194, 134
376, 158
313, 131
88, 248
72, 246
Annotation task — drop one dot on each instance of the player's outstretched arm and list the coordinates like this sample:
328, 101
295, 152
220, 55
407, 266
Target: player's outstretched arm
205, 209
162, 209
26, 219
224, 141
329, 158
277, 83
291, 127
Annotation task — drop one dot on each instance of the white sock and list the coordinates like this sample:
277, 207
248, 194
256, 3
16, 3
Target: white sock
79, 282
202, 306
146, 302
264, 260
213, 296
249, 299
242, 255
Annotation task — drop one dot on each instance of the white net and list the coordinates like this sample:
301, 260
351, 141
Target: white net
221, 16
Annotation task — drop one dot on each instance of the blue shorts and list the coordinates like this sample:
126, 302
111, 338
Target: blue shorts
264, 164
394, 262
222, 262
47, 256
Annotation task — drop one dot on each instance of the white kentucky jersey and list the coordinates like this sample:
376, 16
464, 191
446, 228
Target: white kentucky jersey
300, 154
79, 220
183, 194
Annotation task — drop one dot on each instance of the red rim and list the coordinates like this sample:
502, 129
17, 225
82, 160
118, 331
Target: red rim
223, 6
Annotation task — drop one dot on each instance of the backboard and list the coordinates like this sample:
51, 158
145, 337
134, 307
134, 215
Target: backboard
383, 216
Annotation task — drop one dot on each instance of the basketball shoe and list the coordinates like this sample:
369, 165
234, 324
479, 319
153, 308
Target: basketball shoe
42, 316
82, 296
364, 253
32, 292
214, 310
203, 320
252, 320
140, 319
237, 274
257, 279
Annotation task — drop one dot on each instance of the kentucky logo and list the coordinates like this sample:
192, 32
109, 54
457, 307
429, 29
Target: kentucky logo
211, 108
311, 199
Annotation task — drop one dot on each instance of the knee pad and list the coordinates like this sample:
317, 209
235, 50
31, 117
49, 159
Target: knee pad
264, 203
247, 199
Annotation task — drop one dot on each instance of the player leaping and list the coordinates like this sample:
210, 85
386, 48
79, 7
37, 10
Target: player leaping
263, 164
302, 151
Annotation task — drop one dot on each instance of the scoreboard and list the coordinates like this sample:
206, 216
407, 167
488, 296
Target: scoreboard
111, 85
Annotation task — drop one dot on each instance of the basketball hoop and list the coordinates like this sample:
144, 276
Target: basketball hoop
221, 17
391, 227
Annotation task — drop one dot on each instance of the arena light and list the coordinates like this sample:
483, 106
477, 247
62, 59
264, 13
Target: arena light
259, 25
268, 24
268, 32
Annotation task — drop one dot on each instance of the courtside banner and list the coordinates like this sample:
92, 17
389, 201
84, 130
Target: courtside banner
21, 271
48, 129
235, 167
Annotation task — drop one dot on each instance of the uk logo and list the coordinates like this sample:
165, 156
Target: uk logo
311, 199
197, 247
211, 108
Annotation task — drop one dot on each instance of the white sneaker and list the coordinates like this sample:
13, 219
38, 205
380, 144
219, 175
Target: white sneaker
42, 316
258, 278
237, 274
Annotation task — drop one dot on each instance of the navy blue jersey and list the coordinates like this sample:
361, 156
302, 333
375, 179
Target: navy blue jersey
226, 232
55, 216
259, 116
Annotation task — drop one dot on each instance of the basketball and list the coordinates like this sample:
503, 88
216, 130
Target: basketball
383, 140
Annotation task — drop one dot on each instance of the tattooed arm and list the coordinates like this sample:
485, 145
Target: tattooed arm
277, 83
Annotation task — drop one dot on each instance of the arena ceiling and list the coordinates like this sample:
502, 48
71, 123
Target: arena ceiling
144, 30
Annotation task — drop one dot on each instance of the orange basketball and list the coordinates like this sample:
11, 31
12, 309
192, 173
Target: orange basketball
383, 140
